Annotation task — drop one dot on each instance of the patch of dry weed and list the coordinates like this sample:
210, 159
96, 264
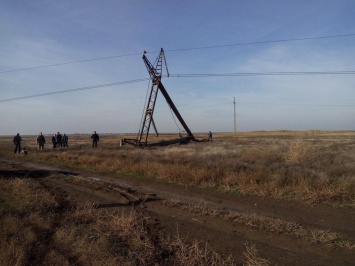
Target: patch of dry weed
39, 226
252, 256
267, 224
312, 166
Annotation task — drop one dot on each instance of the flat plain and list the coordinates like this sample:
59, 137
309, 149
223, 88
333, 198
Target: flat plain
253, 198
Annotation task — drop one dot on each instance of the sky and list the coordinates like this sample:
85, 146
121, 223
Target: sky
76, 66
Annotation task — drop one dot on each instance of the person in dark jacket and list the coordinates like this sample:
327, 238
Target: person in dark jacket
210, 136
17, 142
54, 141
95, 139
59, 140
65, 140
41, 141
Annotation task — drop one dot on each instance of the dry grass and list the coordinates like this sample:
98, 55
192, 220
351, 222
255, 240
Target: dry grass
267, 224
40, 226
192, 254
279, 226
252, 258
26, 211
311, 166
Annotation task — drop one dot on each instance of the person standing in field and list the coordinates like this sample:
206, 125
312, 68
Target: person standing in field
59, 140
54, 141
17, 142
210, 136
95, 139
65, 140
41, 141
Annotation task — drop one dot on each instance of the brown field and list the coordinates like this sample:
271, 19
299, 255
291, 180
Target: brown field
255, 198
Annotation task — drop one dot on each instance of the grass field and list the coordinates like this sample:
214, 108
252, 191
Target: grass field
43, 221
306, 166
43, 227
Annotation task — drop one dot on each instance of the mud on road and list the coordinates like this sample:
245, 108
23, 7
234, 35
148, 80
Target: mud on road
284, 233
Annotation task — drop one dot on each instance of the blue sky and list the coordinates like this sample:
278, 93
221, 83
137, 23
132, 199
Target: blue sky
43, 33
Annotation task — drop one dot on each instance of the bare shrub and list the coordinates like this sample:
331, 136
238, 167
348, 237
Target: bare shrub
297, 152
186, 253
131, 230
252, 257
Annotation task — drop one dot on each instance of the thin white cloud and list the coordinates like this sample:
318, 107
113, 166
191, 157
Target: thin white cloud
40, 34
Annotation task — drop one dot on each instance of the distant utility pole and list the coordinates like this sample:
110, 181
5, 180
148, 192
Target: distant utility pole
235, 122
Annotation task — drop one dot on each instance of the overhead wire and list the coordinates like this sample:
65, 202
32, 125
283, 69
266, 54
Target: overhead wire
68, 63
195, 75
171, 111
263, 42
75, 89
181, 75
194, 107
286, 73
299, 104
182, 49
191, 75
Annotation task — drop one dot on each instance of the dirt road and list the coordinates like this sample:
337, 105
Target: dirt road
284, 233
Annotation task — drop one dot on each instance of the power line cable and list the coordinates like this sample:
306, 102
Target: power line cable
68, 63
200, 75
76, 89
182, 49
181, 130
237, 74
194, 108
264, 42
298, 104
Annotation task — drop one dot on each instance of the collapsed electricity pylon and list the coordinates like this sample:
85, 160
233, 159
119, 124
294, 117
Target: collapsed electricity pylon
155, 73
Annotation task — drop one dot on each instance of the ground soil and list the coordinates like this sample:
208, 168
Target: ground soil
224, 237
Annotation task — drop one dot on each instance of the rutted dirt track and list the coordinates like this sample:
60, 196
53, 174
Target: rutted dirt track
170, 208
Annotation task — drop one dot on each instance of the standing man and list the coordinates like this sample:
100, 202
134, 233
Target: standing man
41, 141
95, 139
59, 140
54, 141
17, 142
65, 140
210, 136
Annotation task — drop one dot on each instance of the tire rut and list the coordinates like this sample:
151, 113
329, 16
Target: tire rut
222, 235
39, 249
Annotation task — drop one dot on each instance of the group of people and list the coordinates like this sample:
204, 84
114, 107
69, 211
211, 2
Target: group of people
58, 140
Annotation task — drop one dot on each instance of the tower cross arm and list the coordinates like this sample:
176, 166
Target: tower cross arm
151, 69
